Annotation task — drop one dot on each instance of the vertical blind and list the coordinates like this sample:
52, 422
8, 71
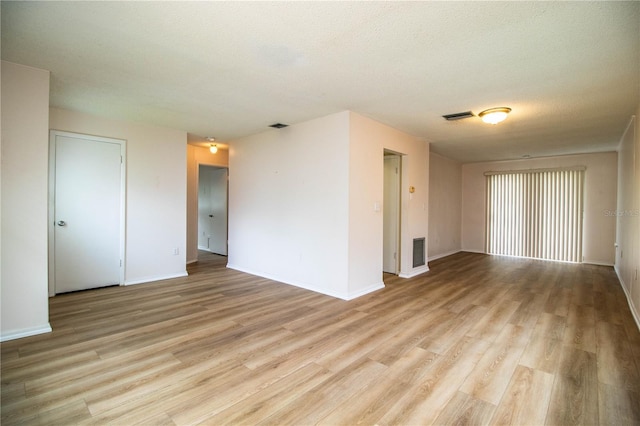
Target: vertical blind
536, 213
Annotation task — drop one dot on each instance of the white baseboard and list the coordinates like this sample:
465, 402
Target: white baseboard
634, 313
211, 251
440, 256
338, 295
593, 262
473, 251
415, 272
155, 278
280, 280
367, 290
26, 332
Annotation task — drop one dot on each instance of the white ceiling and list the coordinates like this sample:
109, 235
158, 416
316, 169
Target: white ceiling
569, 70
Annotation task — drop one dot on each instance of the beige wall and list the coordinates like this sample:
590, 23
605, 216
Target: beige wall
445, 206
195, 156
25, 163
156, 192
628, 215
288, 204
368, 140
599, 198
301, 203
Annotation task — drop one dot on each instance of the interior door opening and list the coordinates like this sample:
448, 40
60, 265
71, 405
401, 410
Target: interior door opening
391, 213
213, 209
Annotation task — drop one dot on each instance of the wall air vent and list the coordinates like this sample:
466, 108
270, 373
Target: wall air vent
278, 125
458, 116
418, 252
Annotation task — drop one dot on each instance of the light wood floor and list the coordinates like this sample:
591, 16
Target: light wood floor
477, 340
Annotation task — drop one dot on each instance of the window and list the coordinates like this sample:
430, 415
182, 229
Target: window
536, 213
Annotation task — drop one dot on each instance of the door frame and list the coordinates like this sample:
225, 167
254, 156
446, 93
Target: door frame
214, 166
398, 216
52, 200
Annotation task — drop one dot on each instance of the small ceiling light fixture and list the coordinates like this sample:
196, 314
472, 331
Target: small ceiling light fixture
213, 148
494, 115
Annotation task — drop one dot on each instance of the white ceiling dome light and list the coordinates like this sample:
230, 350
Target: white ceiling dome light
213, 148
494, 115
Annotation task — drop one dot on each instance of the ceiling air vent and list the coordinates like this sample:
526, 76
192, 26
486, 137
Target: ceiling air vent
278, 125
458, 116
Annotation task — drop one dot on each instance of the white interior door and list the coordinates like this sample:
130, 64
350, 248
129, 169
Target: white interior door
391, 214
212, 209
87, 194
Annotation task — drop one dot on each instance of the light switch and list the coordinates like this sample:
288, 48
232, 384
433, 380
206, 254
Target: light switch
376, 206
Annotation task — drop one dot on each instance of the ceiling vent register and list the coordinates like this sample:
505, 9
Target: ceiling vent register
458, 116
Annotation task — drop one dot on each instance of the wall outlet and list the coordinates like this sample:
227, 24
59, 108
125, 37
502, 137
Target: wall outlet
176, 251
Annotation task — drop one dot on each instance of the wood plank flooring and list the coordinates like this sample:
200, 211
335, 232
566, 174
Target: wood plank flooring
477, 340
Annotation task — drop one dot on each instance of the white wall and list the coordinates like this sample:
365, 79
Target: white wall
445, 206
288, 204
628, 215
368, 140
156, 192
301, 203
25, 163
599, 198
195, 156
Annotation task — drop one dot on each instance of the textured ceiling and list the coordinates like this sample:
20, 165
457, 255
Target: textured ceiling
569, 70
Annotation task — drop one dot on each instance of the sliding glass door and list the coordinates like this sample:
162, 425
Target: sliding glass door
536, 213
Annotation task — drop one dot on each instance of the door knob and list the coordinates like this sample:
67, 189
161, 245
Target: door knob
62, 223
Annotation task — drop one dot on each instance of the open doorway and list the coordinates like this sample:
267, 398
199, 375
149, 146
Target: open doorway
213, 209
391, 213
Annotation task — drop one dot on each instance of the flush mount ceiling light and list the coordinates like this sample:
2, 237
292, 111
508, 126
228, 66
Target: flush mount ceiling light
213, 148
494, 115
